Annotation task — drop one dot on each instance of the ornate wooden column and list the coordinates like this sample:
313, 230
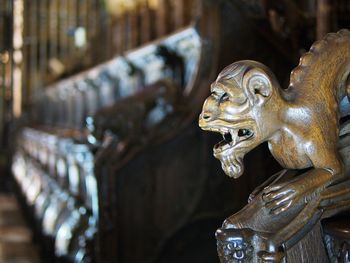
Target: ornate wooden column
147, 13
163, 17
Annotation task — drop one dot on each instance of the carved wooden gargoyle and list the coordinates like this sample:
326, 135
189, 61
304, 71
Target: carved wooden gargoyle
301, 125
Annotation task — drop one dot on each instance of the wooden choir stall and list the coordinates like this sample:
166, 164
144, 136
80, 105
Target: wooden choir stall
110, 164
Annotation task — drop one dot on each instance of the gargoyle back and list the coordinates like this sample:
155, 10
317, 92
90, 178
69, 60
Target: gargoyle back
323, 71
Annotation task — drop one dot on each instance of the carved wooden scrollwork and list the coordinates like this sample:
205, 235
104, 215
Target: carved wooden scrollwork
301, 126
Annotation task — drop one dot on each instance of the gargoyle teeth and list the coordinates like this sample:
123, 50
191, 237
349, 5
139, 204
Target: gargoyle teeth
223, 131
233, 136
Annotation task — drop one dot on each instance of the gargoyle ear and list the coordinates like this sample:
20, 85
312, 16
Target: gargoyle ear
257, 86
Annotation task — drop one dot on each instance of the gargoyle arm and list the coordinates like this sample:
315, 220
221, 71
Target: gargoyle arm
269, 181
309, 203
298, 191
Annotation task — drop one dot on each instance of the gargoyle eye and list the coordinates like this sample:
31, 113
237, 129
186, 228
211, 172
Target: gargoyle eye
214, 94
223, 97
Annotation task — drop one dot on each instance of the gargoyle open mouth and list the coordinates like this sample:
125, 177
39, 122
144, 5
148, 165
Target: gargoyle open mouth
231, 138
231, 150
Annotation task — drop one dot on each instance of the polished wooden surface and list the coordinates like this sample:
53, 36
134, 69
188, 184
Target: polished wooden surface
138, 182
301, 125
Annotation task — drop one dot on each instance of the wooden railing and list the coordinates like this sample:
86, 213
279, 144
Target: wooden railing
64, 37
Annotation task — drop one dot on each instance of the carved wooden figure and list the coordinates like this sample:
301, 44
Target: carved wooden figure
301, 125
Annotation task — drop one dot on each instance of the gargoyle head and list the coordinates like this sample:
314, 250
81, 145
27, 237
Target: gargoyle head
241, 108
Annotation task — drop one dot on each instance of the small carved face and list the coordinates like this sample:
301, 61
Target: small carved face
235, 245
232, 109
227, 111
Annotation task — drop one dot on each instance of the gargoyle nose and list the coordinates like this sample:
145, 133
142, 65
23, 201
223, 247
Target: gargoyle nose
204, 119
206, 116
